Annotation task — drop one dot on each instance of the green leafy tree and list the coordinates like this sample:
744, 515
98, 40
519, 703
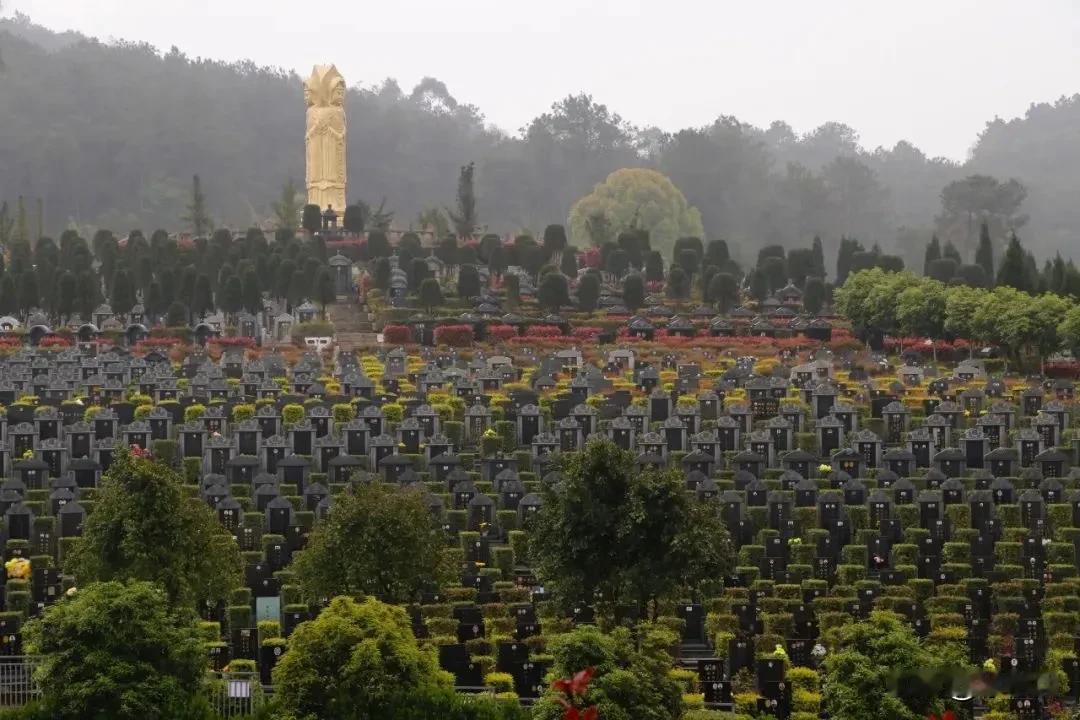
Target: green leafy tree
197, 217
632, 680
353, 660
465, 219
1069, 330
880, 671
554, 292
597, 227
288, 207
144, 527
633, 290
430, 294
920, 309
350, 553
656, 541
978, 199
117, 651
639, 198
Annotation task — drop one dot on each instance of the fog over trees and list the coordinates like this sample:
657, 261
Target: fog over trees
111, 135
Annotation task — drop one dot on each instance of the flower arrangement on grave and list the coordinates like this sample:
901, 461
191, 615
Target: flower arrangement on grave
28, 455
138, 451
794, 541
572, 696
18, 569
824, 468
989, 666
947, 715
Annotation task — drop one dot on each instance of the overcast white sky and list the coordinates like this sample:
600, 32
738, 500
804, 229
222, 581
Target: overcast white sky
929, 71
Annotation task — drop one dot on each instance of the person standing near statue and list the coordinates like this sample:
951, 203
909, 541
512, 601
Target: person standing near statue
324, 95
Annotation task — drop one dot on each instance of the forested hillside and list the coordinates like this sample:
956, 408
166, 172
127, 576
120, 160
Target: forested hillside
110, 136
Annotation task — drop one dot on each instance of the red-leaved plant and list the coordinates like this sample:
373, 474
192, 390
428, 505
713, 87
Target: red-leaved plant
947, 715
572, 696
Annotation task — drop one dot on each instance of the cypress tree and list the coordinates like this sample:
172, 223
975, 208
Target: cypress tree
984, 253
933, 252
1013, 271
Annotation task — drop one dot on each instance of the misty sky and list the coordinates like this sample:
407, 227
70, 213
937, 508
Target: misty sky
929, 71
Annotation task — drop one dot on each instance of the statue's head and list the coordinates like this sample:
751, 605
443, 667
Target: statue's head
325, 87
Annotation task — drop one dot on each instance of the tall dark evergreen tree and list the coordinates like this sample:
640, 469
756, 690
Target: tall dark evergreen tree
1014, 271
197, 217
654, 266
430, 295
66, 295
554, 241
311, 220
633, 289
984, 253
202, 297
465, 219
814, 295
588, 292
122, 293
468, 282
324, 290
252, 290
9, 296
933, 252
950, 251
848, 248
28, 292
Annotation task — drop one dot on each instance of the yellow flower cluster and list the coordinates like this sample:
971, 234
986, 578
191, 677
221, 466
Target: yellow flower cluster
18, 569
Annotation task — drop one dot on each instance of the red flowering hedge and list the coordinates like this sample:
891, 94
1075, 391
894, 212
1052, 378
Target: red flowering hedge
586, 332
244, 342
501, 333
454, 335
54, 341
543, 331
398, 334
160, 342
